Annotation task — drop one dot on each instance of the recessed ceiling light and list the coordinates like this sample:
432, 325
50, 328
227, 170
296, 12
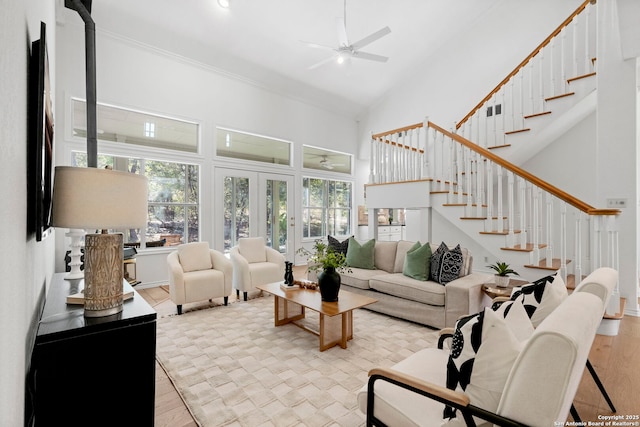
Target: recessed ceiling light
224, 3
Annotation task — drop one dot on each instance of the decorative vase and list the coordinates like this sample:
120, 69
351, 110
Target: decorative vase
501, 281
329, 281
288, 273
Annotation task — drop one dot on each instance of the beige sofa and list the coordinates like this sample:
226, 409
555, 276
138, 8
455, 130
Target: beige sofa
425, 302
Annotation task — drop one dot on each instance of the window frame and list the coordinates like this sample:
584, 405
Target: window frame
326, 208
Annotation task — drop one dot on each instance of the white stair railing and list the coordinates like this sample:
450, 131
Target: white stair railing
575, 237
569, 52
541, 211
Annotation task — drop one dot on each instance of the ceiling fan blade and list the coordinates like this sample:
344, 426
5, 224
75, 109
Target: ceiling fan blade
343, 40
317, 46
370, 56
324, 61
371, 38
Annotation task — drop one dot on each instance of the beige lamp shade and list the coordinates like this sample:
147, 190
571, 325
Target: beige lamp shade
98, 198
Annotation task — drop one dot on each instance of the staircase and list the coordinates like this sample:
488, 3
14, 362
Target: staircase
471, 172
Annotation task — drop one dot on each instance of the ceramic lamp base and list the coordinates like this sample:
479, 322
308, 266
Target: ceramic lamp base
103, 273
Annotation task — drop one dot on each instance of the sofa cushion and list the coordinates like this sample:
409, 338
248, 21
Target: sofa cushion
195, 256
446, 264
338, 246
252, 249
359, 277
361, 255
417, 262
385, 255
399, 285
401, 251
541, 297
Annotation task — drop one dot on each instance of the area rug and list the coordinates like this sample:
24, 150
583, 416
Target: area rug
233, 367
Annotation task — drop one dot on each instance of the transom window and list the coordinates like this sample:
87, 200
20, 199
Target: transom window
247, 146
133, 127
325, 160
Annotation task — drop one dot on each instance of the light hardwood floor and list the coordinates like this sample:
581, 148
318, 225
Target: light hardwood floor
616, 360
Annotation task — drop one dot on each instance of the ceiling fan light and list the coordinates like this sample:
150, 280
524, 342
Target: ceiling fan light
224, 3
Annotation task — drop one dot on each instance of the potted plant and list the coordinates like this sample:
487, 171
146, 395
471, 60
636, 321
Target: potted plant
503, 271
330, 263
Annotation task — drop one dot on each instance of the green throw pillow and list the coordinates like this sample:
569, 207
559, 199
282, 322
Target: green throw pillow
361, 255
417, 262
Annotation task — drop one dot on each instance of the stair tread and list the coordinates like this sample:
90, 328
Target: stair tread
527, 248
501, 233
544, 113
619, 314
584, 76
555, 264
564, 95
511, 132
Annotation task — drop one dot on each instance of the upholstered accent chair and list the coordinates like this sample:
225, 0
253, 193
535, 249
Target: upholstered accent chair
198, 273
254, 263
539, 385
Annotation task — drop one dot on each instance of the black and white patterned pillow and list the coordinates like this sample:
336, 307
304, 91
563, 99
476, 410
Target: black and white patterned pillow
451, 265
436, 260
464, 346
541, 297
338, 246
446, 264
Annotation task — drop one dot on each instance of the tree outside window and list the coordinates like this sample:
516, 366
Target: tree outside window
173, 199
326, 208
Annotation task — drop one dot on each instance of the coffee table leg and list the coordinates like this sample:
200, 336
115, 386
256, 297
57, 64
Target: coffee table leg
345, 329
286, 311
334, 330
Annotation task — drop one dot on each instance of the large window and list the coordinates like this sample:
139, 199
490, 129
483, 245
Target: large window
173, 186
326, 208
173, 199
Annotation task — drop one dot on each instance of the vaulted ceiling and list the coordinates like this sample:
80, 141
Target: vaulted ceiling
262, 40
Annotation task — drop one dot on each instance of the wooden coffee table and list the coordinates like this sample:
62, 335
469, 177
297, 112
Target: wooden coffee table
336, 318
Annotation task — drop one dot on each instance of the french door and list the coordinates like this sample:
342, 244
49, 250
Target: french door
249, 204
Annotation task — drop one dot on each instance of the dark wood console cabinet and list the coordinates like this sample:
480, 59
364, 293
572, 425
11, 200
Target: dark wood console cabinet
93, 371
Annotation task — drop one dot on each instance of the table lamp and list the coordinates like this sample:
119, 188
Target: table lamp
100, 199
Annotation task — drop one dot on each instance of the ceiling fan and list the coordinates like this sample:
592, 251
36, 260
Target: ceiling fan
328, 164
345, 50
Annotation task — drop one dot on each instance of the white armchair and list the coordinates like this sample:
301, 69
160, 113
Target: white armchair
254, 264
198, 273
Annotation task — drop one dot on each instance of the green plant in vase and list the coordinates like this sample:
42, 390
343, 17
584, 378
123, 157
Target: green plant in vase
502, 272
329, 265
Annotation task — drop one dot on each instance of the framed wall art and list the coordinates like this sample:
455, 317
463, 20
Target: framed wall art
40, 144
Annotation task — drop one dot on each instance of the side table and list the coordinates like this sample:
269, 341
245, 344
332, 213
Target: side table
493, 291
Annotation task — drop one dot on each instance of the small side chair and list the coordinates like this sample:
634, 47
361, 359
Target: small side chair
198, 273
254, 263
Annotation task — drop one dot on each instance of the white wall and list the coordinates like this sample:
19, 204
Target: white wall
25, 265
147, 79
568, 162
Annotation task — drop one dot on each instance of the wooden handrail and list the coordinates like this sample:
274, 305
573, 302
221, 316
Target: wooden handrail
549, 188
524, 62
406, 147
402, 129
